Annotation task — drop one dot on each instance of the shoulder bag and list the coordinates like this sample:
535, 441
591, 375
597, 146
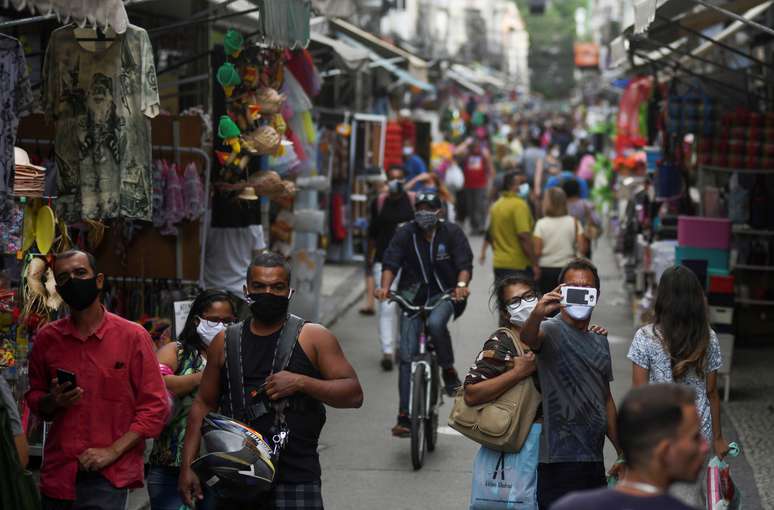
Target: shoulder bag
504, 423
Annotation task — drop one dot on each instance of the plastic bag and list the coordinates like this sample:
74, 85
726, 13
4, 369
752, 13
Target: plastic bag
722, 493
455, 178
507, 481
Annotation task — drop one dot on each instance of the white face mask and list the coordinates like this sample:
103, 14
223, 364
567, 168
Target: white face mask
579, 312
408, 151
519, 313
208, 330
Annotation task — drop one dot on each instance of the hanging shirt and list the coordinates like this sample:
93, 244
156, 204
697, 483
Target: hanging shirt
100, 102
476, 171
15, 100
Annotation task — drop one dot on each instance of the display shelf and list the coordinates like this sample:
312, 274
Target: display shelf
748, 267
721, 169
742, 230
760, 302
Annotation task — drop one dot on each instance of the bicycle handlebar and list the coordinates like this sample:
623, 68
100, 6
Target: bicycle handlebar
401, 301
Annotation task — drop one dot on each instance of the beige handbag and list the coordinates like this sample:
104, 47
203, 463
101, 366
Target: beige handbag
504, 423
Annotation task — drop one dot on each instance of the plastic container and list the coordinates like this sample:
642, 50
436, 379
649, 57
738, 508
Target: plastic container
704, 232
716, 259
721, 315
721, 284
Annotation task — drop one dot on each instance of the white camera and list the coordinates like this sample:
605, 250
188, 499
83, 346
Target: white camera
579, 296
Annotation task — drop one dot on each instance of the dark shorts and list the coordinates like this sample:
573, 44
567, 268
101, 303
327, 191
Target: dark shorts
286, 496
558, 479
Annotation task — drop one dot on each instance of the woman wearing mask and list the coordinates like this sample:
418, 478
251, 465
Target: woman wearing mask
558, 238
182, 364
679, 346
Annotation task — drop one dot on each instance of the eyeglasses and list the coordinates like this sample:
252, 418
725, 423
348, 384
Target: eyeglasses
527, 296
214, 321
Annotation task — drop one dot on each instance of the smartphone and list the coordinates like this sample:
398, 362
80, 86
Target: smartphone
579, 296
63, 376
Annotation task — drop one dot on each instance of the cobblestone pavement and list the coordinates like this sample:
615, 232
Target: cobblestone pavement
751, 411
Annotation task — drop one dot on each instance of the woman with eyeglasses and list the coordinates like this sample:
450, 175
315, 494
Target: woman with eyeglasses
182, 363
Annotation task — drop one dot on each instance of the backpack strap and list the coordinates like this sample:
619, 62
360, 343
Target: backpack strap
234, 379
287, 342
516, 342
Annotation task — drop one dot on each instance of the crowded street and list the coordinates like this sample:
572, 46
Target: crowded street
386, 254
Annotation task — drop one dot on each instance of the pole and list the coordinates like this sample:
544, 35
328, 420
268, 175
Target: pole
737, 17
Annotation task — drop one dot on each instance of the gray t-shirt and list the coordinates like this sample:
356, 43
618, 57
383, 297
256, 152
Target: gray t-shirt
575, 369
7, 401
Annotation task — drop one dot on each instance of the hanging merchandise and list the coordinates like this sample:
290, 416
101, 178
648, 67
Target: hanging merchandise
28, 180
100, 101
193, 193
45, 229
174, 206
286, 23
15, 100
93, 13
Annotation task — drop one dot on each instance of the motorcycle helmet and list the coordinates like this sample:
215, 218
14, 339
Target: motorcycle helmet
238, 462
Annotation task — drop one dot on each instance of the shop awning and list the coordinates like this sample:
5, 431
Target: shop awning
480, 77
416, 66
730, 29
352, 56
464, 82
388, 64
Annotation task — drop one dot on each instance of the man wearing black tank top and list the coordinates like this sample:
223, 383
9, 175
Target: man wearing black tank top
318, 373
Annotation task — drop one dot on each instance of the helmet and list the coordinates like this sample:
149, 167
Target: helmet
430, 198
238, 463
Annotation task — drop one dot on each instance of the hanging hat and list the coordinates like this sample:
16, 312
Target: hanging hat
228, 77
248, 193
227, 128
233, 43
262, 141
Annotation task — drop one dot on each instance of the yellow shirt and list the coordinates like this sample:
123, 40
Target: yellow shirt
509, 217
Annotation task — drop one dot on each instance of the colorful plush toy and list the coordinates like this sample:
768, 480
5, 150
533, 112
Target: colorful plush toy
233, 43
228, 77
251, 76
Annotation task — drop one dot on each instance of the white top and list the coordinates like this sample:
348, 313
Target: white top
229, 253
558, 236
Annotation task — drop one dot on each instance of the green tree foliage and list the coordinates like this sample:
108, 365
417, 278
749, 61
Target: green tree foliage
551, 38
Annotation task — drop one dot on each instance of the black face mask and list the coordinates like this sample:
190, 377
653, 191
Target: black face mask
79, 293
268, 308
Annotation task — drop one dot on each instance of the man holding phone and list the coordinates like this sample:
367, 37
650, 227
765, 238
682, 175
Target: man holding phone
575, 370
95, 376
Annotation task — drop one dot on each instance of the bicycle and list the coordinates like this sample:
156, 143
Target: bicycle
425, 396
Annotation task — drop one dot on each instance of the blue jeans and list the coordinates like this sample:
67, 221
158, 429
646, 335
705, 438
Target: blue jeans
410, 326
92, 492
162, 489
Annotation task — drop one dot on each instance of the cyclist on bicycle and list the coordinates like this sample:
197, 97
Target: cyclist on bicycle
434, 258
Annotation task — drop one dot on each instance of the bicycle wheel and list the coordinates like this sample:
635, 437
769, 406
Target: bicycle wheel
417, 417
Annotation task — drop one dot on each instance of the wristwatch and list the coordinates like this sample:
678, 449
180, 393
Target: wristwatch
462, 285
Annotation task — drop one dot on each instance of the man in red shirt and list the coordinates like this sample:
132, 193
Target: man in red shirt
94, 450
479, 172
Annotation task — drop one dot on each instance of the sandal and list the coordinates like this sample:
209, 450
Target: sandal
366, 311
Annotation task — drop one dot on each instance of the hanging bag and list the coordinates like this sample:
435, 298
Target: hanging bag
504, 423
507, 481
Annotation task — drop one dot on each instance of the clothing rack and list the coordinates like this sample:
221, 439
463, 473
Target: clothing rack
177, 150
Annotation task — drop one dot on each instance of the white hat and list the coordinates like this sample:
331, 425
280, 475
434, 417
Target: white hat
21, 158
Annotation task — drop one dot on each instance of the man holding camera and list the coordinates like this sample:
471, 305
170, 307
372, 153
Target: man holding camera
575, 370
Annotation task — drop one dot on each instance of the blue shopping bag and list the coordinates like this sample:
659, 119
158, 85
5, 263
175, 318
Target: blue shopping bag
507, 481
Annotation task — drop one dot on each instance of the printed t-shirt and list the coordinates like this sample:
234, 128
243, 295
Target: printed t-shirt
100, 102
575, 369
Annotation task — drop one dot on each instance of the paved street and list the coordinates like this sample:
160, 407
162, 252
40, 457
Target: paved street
364, 467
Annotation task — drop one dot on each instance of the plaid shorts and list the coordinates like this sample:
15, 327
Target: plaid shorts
288, 496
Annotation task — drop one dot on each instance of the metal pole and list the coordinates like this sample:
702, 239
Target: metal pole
737, 17
26, 21
713, 41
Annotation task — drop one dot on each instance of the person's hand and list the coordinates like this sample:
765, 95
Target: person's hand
720, 446
283, 384
382, 294
599, 330
95, 459
460, 293
618, 470
549, 303
536, 272
189, 487
62, 395
482, 259
525, 364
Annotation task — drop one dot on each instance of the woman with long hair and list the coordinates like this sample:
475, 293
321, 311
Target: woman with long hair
558, 238
679, 346
182, 363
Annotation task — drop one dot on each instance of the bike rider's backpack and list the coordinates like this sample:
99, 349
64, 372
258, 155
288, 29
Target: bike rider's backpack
504, 423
